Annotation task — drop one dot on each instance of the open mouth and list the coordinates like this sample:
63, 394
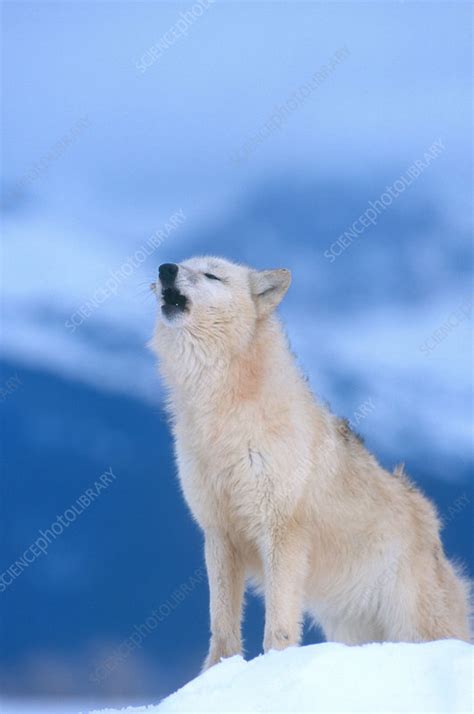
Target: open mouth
174, 302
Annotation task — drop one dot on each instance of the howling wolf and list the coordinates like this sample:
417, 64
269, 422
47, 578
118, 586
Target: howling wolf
286, 494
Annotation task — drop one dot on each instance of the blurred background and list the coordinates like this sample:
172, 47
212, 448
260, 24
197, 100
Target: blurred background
136, 133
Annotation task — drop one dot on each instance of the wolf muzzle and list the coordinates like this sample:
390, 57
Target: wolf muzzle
167, 273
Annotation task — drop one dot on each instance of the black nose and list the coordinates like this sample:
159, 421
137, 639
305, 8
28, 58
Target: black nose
168, 273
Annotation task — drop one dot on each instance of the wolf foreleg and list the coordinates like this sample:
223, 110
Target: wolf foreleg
286, 564
226, 587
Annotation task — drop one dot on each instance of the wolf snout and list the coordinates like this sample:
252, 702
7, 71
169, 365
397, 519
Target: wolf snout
168, 273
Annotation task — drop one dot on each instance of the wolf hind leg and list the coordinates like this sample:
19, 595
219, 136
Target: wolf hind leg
428, 603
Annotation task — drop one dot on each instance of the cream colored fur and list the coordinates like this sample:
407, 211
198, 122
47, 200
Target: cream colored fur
287, 496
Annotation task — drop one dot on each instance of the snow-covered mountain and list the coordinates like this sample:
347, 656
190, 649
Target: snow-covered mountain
389, 320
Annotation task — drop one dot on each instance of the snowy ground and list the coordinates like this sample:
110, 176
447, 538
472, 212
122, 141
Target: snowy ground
431, 677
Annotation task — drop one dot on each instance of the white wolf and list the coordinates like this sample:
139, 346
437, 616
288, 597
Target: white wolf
286, 494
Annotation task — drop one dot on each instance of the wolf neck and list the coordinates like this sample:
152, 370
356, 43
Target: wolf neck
204, 374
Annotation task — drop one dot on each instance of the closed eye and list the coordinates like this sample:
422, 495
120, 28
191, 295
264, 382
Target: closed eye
211, 276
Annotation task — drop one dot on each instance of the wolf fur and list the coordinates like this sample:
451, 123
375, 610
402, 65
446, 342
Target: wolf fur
287, 496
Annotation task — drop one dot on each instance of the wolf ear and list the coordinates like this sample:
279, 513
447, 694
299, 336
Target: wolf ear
268, 288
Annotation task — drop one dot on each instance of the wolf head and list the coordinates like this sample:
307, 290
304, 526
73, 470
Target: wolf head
211, 296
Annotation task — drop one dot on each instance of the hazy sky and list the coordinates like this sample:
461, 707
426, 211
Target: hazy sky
176, 126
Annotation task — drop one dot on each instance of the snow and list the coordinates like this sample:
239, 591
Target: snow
389, 677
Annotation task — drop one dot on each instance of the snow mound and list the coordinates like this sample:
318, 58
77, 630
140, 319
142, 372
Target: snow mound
428, 677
